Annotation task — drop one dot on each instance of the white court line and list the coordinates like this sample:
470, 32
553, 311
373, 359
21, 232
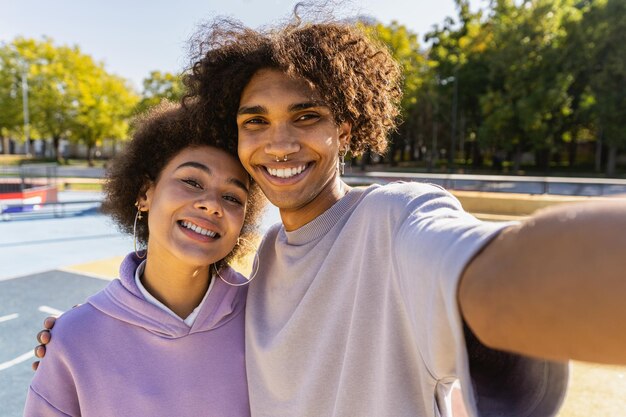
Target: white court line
9, 317
50, 310
22, 358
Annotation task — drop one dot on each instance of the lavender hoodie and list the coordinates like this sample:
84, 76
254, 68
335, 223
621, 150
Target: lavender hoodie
119, 355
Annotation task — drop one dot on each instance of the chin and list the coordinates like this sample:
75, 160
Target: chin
199, 260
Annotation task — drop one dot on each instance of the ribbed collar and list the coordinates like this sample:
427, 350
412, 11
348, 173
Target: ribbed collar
322, 224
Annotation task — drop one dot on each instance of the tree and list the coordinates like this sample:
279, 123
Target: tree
403, 45
160, 86
527, 98
105, 105
459, 74
10, 94
604, 27
52, 87
70, 95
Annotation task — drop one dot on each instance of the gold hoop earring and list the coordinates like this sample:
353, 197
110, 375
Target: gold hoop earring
138, 216
252, 275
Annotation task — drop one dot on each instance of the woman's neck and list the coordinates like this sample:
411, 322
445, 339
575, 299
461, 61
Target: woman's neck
181, 288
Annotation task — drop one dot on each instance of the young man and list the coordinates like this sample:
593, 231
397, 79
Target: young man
365, 297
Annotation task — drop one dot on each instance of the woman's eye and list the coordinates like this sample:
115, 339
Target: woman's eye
192, 182
233, 199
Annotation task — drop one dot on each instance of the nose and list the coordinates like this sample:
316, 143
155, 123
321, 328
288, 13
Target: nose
211, 203
281, 141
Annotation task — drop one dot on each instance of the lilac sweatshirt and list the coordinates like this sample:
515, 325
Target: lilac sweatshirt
119, 355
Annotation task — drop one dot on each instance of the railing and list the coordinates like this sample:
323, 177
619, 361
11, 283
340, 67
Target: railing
501, 183
21, 177
462, 182
56, 209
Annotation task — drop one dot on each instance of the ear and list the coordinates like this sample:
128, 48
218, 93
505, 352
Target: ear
345, 133
146, 195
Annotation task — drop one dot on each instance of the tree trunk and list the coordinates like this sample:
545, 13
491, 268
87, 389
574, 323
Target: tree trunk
477, 156
611, 163
598, 159
434, 152
461, 134
89, 155
572, 151
517, 158
543, 159
56, 148
5, 145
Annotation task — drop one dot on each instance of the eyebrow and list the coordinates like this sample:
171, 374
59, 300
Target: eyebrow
294, 107
208, 171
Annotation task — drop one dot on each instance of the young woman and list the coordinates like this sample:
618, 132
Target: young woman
167, 338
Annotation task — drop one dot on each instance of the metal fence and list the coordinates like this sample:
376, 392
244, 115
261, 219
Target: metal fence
502, 183
17, 178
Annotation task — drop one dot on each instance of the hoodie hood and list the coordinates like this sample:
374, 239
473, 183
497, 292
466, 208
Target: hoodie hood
122, 300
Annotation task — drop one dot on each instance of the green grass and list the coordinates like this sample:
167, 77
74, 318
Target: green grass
82, 187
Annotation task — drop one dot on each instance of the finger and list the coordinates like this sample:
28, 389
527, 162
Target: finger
35, 365
43, 337
40, 351
48, 323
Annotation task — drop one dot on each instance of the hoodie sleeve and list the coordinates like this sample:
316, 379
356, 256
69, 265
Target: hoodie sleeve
53, 390
37, 406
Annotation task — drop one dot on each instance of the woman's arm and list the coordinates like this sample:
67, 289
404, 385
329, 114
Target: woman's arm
554, 286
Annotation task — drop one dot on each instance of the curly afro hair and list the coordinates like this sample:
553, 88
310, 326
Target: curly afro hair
160, 134
355, 76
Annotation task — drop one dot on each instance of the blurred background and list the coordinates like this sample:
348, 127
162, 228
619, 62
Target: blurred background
523, 98
504, 86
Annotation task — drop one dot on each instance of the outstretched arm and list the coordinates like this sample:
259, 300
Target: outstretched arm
554, 286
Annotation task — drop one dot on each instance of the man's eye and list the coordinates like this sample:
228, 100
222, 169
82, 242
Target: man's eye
254, 121
308, 117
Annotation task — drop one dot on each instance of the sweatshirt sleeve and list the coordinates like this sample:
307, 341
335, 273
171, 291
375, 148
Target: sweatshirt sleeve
37, 406
434, 243
52, 391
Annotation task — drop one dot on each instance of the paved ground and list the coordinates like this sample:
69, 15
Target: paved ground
36, 260
24, 303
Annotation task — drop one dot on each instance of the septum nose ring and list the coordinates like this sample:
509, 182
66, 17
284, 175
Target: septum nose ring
284, 158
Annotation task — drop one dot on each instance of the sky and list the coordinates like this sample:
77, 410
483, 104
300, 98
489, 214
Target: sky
134, 37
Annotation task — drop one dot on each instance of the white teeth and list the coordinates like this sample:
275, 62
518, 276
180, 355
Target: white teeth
198, 229
286, 172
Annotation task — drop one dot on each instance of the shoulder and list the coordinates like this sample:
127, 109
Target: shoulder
270, 235
409, 196
75, 319
76, 326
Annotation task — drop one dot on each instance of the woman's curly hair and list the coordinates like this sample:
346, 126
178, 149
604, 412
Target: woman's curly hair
354, 75
160, 134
